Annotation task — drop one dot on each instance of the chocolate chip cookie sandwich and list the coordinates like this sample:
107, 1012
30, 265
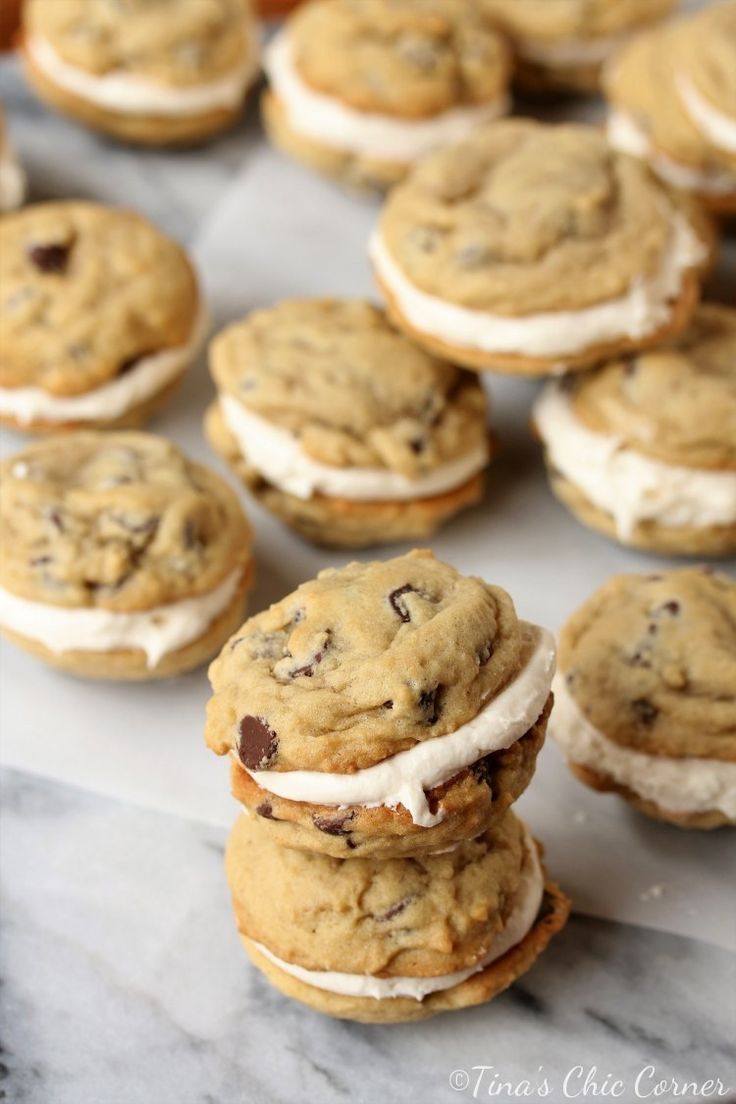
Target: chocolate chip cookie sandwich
342, 427
157, 72
643, 448
386, 942
563, 44
672, 96
645, 699
533, 249
122, 559
12, 177
383, 709
100, 315
359, 89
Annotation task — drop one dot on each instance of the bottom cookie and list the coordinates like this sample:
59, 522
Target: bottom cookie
338, 522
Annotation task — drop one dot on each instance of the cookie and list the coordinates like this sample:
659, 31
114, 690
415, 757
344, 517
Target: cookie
382, 709
672, 102
643, 449
359, 89
563, 44
532, 249
384, 942
12, 177
342, 427
100, 315
122, 559
156, 72
645, 698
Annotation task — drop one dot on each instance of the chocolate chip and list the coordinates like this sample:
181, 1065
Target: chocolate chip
429, 701
307, 669
265, 810
129, 363
483, 771
394, 910
388, 704
672, 607
396, 603
56, 520
258, 744
645, 712
333, 826
52, 258
417, 446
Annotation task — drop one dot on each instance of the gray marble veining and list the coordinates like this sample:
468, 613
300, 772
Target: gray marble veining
124, 983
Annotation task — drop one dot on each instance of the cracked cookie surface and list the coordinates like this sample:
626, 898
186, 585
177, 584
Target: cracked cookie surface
361, 663
86, 291
116, 521
650, 660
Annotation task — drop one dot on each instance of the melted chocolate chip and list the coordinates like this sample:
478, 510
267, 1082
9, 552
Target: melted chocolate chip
52, 258
307, 670
265, 810
394, 910
644, 711
333, 826
429, 701
483, 771
258, 744
399, 607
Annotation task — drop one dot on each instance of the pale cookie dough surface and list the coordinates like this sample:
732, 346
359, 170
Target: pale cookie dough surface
425, 916
555, 19
470, 803
522, 218
85, 292
650, 660
641, 81
115, 521
340, 522
677, 402
361, 663
399, 58
352, 389
173, 42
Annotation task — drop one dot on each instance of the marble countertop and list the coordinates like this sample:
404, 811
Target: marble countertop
124, 981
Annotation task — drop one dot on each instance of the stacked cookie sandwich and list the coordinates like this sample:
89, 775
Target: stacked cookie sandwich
381, 720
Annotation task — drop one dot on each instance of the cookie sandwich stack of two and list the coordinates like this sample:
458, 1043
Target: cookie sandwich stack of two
381, 721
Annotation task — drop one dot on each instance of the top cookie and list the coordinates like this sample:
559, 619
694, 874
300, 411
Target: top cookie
521, 218
676, 403
85, 292
555, 19
651, 662
176, 42
355, 392
116, 521
361, 663
400, 58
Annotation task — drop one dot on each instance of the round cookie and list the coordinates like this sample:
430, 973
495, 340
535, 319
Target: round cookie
383, 709
100, 315
161, 72
122, 559
563, 44
454, 929
359, 89
643, 449
342, 427
532, 249
12, 177
644, 698
672, 99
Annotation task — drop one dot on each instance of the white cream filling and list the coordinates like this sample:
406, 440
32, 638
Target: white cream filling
561, 53
625, 135
329, 121
280, 458
718, 128
625, 483
527, 903
403, 778
145, 379
156, 631
675, 785
645, 308
12, 181
127, 94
